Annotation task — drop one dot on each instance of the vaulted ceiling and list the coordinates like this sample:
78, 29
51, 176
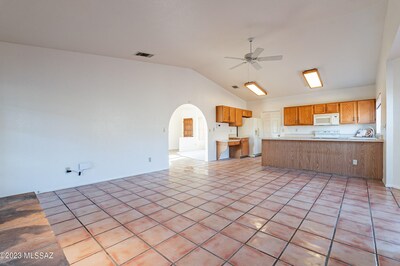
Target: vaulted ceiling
341, 38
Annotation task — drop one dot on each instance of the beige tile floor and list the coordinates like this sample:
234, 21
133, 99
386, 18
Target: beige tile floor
231, 212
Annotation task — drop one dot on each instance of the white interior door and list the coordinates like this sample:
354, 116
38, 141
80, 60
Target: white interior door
271, 123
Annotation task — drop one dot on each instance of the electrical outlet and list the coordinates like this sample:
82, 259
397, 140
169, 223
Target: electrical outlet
149, 159
355, 162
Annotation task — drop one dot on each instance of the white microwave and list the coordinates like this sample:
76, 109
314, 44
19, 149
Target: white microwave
326, 119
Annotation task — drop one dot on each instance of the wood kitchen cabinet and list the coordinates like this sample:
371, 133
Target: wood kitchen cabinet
320, 109
290, 116
366, 112
222, 114
247, 113
244, 147
348, 112
332, 108
232, 115
305, 115
352, 112
326, 108
238, 117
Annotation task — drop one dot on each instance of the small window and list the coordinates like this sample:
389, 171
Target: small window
187, 127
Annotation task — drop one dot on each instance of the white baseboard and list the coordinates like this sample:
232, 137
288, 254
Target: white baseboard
392, 186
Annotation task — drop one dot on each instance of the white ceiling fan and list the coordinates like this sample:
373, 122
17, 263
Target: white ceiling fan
253, 59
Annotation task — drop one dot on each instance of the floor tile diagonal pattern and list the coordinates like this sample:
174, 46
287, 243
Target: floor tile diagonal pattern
231, 212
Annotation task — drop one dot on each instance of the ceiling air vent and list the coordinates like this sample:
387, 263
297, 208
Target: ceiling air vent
235, 87
144, 54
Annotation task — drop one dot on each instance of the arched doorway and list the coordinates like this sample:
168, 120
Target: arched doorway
188, 133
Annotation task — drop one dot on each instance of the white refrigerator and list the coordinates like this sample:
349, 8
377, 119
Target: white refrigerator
252, 128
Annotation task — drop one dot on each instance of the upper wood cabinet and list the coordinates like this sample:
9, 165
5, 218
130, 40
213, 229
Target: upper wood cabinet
305, 115
238, 117
290, 116
348, 112
233, 116
326, 108
332, 108
223, 113
320, 109
247, 113
353, 112
366, 112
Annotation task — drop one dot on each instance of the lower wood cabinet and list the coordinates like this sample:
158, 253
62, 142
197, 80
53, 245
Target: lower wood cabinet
327, 156
244, 147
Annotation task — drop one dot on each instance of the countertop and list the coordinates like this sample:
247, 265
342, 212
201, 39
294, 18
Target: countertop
352, 139
228, 140
232, 139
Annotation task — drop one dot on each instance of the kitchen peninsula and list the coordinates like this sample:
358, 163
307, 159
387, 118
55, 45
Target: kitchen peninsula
351, 157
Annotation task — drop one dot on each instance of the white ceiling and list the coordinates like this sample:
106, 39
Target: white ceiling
342, 37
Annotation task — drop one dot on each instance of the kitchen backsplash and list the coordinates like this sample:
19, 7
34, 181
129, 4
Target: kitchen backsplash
348, 130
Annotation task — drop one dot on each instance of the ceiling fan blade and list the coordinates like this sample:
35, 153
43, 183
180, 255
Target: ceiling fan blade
238, 65
270, 58
257, 52
256, 65
236, 58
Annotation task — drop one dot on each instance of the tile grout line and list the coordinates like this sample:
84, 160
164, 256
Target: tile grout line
220, 230
179, 182
87, 231
110, 194
217, 232
373, 227
298, 228
258, 230
134, 234
335, 227
395, 199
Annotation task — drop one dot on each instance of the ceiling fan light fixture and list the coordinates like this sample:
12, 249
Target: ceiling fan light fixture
313, 78
254, 87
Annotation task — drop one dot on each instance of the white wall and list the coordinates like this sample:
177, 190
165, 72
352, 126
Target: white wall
383, 81
277, 104
392, 22
393, 125
175, 129
60, 108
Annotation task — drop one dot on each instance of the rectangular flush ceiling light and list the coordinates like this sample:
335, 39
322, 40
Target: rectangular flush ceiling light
313, 78
254, 87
